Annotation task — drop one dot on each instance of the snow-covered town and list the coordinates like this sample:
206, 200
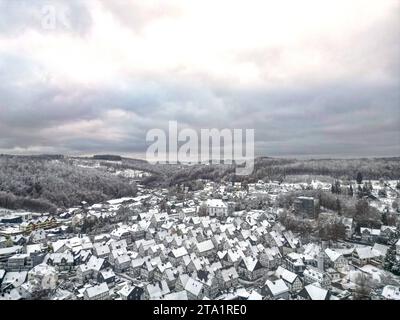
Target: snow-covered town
220, 241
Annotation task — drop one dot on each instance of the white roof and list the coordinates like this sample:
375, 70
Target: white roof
96, 290
107, 274
285, 274
314, 273
15, 278
13, 295
365, 253
42, 269
137, 262
380, 249
180, 252
95, 263
158, 289
101, 249
180, 295
391, 292
193, 286
229, 274
31, 248
125, 291
9, 250
205, 246
119, 201
123, 259
277, 287
315, 292
250, 262
375, 232
216, 203
254, 295
333, 255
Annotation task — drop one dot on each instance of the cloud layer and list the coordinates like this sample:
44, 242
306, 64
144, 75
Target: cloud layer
312, 78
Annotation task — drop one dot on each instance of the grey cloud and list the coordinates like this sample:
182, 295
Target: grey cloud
327, 119
321, 117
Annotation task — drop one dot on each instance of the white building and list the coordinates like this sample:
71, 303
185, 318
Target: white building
217, 208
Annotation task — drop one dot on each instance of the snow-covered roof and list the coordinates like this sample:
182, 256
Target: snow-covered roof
95, 263
157, 289
374, 232
216, 203
229, 274
120, 200
126, 290
315, 292
180, 252
10, 250
15, 278
12, 295
391, 292
314, 273
254, 295
380, 249
250, 262
205, 246
107, 274
332, 255
97, 290
193, 286
285, 274
277, 287
180, 295
365, 252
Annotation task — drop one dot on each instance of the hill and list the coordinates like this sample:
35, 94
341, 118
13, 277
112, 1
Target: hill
44, 183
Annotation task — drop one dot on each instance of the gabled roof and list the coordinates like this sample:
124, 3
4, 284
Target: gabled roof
95, 263
380, 249
157, 289
107, 274
15, 278
315, 292
126, 291
193, 286
205, 246
365, 253
138, 262
391, 292
216, 203
180, 252
180, 295
229, 274
97, 290
286, 275
254, 295
250, 263
277, 287
332, 255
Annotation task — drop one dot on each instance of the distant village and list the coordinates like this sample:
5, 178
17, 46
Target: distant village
219, 241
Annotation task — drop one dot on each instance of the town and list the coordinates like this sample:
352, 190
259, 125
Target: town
211, 240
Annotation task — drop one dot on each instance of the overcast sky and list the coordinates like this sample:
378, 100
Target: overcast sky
313, 78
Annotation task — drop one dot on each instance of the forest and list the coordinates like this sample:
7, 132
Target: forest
44, 184
283, 170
